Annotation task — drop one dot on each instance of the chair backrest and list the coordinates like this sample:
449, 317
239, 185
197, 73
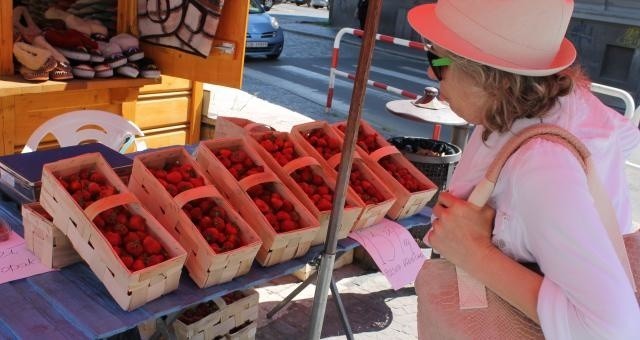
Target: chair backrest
76, 127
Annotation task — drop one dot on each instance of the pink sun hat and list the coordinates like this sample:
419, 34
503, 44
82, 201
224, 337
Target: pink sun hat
519, 36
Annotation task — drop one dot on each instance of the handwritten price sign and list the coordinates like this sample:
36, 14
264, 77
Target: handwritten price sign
394, 251
16, 261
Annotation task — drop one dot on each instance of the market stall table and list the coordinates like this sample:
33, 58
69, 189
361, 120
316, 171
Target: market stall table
406, 108
72, 303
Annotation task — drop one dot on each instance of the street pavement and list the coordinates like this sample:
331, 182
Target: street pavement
374, 309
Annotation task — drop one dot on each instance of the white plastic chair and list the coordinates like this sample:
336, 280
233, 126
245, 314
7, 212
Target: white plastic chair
630, 110
76, 127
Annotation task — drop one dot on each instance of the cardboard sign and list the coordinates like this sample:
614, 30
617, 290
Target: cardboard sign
16, 261
394, 251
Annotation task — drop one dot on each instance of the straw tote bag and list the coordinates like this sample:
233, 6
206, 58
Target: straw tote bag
452, 305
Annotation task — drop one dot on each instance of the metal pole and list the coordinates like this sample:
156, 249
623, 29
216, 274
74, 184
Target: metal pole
357, 98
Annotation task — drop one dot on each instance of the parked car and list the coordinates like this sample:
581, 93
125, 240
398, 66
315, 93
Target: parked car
264, 34
319, 3
302, 2
267, 4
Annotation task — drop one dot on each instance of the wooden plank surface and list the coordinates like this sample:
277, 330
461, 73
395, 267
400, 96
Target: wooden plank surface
15, 85
73, 303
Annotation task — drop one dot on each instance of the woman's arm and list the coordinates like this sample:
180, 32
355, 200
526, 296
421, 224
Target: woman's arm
462, 234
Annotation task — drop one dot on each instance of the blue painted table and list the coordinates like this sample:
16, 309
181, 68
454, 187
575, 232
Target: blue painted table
72, 303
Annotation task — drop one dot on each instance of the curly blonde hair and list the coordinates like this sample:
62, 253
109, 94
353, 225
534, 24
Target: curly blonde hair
512, 96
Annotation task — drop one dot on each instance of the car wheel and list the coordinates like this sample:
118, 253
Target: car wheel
268, 3
316, 7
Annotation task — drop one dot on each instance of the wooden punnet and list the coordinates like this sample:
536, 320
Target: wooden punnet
209, 327
229, 127
205, 266
276, 247
243, 310
46, 241
372, 213
349, 215
130, 289
407, 203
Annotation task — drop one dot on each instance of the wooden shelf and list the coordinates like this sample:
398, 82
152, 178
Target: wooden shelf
15, 85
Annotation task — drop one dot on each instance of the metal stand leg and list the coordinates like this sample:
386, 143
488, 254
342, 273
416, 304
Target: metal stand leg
291, 295
341, 310
334, 292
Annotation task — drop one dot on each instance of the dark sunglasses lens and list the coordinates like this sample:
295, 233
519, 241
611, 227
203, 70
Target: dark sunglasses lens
437, 71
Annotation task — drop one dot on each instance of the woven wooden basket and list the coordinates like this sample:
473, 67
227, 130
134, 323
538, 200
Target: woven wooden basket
130, 289
372, 213
276, 247
349, 215
205, 266
407, 203
46, 241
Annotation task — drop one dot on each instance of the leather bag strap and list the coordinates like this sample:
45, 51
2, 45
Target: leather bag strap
471, 292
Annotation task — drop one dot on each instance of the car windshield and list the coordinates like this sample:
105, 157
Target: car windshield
254, 7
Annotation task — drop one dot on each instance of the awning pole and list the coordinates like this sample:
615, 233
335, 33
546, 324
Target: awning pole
325, 271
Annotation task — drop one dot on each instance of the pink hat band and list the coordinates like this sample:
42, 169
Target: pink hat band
520, 36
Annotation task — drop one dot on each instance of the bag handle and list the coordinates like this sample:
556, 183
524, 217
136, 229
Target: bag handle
472, 294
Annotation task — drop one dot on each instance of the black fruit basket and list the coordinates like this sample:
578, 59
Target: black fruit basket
436, 159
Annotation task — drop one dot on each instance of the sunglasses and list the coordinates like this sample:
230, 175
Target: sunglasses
436, 62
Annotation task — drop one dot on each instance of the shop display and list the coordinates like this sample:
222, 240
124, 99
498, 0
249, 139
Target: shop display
74, 43
284, 225
413, 190
171, 185
324, 144
99, 217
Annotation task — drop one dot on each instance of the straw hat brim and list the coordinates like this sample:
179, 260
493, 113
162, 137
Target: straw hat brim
424, 20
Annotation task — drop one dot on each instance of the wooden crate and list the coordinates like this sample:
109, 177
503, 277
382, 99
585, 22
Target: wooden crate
242, 310
205, 266
246, 332
349, 215
276, 247
210, 327
130, 289
46, 241
407, 203
231, 127
372, 213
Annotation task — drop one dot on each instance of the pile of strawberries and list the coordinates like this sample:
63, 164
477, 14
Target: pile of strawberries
315, 187
214, 224
279, 146
368, 142
239, 164
278, 211
402, 175
87, 186
197, 313
233, 297
177, 177
323, 143
129, 236
365, 189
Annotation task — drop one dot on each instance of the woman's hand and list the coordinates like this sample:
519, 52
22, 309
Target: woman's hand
462, 229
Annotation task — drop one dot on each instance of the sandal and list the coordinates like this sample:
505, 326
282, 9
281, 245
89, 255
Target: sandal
61, 72
83, 71
129, 70
148, 68
33, 75
103, 71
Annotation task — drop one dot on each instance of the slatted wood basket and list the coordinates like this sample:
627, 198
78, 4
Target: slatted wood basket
130, 289
46, 241
243, 310
407, 203
372, 213
276, 247
230, 127
206, 267
246, 332
350, 214
212, 326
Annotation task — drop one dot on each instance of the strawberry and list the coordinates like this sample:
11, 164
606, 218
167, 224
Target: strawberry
174, 177
127, 260
134, 248
138, 264
136, 222
113, 238
151, 245
155, 259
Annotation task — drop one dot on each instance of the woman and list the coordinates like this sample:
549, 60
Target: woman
503, 66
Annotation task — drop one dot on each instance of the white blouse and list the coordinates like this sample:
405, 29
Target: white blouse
545, 214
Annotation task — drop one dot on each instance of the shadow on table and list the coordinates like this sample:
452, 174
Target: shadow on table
366, 313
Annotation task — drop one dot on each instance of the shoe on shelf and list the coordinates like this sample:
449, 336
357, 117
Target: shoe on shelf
128, 70
130, 46
103, 71
33, 75
83, 71
62, 71
148, 68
